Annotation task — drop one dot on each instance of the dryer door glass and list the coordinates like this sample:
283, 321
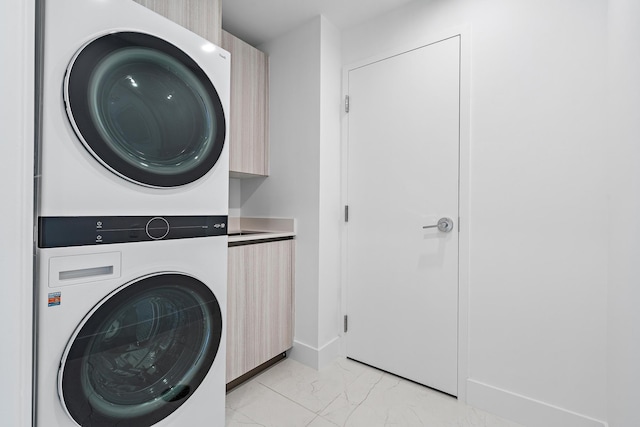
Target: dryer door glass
141, 352
145, 109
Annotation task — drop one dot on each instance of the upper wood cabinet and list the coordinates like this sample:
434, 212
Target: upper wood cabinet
203, 17
249, 116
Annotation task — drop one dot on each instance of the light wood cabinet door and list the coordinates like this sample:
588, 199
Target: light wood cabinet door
203, 17
259, 304
248, 136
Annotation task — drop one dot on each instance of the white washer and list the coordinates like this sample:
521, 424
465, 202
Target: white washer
132, 334
135, 114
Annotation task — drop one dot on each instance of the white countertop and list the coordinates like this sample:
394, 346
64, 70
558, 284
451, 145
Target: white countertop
263, 229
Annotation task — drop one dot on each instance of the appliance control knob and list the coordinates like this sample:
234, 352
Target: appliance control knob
157, 228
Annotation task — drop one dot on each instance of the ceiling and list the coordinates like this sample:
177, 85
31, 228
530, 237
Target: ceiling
258, 21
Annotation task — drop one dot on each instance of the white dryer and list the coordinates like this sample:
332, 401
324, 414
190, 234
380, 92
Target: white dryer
131, 334
134, 114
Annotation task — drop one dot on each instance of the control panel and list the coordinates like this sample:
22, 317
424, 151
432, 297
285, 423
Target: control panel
56, 232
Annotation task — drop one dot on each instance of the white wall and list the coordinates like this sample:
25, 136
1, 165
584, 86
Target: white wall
235, 200
304, 182
538, 220
16, 192
623, 144
292, 188
329, 286
543, 244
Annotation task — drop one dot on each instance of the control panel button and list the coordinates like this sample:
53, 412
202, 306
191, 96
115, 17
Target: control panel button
157, 228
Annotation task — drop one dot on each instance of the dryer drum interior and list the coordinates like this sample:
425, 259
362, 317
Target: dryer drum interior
145, 109
141, 352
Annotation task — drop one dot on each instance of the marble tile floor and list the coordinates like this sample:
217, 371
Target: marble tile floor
347, 394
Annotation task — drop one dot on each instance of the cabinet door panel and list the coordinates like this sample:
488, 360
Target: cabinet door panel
260, 304
203, 17
248, 136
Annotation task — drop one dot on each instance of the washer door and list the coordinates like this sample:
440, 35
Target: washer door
141, 352
145, 109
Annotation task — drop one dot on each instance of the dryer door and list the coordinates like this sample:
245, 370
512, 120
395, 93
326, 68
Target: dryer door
141, 352
145, 109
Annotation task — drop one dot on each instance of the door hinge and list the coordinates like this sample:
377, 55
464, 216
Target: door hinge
346, 324
346, 213
346, 103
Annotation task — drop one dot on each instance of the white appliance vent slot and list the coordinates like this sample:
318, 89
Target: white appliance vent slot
86, 272
76, 269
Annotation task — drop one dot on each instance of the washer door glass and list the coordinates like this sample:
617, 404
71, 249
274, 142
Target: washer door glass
141, 352
145, 109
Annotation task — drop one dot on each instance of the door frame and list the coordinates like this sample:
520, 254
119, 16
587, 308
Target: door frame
464, 32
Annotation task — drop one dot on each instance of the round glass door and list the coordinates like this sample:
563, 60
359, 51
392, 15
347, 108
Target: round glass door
141, 352
145, 109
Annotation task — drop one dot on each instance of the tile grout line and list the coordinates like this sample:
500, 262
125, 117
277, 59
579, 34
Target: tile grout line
320, 416
289, 399
363, 400
248, 417
317, 413
354, 389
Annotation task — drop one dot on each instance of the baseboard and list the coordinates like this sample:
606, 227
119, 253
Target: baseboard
317, 358
329, 352
304, 353
524, 410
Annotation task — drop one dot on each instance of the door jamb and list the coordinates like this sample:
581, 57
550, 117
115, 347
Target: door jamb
463, 191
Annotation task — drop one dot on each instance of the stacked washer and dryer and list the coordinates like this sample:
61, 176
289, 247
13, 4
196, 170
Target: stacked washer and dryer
131, 255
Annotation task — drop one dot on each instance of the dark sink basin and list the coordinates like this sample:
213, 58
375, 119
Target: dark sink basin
247, 233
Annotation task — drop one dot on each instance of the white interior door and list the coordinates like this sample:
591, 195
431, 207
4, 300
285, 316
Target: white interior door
403, 174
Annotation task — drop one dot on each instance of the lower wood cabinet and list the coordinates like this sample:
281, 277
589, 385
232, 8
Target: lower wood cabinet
259, 304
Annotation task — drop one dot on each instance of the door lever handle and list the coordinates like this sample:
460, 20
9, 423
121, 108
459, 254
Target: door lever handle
444, 224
